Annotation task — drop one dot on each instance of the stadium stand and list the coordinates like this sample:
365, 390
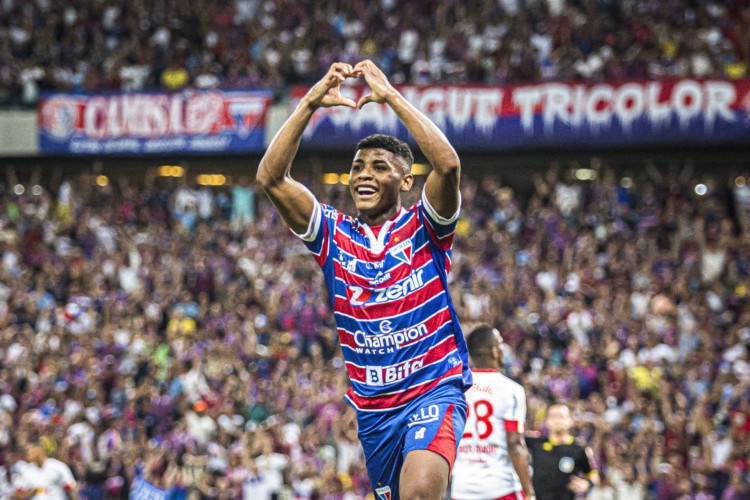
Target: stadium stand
85, 45
626, 296
175, 339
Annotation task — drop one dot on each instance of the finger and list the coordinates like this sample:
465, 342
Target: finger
342, 68
329, 81
371, 65
343, 101
337, 66
335, 79
339, 72
364, 100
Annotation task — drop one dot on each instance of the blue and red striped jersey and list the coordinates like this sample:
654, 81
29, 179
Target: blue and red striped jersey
398, 329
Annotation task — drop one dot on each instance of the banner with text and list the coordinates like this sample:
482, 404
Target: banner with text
559, 115
148, 123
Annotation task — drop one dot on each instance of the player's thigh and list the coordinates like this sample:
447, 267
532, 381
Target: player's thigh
431, 441
424, 476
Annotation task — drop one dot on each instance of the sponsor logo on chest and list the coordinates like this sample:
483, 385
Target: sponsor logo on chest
389, 341
380, 278
379, 376
361, 297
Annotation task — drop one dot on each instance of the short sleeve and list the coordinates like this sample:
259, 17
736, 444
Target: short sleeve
515, 412
316, 236
441, 230
585, 461
67, 481
532, 442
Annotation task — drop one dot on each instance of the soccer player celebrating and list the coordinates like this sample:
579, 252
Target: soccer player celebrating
562, 467
492, 461
386, 274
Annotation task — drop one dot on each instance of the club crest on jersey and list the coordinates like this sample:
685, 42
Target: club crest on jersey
402, 252
384, 493
360, 296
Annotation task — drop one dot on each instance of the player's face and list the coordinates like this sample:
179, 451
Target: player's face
35, 455
377, 179
559, 419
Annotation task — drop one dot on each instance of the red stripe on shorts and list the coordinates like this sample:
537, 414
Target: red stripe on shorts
444, 442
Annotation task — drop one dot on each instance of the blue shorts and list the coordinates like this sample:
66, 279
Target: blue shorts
434, 421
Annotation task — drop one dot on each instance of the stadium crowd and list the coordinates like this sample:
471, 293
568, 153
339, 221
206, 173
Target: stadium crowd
99, 45
178, 336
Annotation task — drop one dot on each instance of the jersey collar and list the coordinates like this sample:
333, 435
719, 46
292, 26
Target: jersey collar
568, 440
377, 243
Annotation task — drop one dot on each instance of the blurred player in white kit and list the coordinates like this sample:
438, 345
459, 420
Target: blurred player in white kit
44, 478
492, 461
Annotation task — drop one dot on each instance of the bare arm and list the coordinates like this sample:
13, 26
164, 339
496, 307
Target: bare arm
23, 493
441, 187
294, 201
580, 485
519, 456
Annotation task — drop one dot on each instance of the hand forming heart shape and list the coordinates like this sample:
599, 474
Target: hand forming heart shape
326, 93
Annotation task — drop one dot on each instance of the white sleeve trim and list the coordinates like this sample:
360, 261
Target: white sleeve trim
313, 226
436, 216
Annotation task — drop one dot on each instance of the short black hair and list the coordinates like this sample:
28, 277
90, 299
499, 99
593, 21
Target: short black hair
480, 341
389, 143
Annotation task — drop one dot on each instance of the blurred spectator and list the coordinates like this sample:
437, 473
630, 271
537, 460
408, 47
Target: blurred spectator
134, 45
243, 203
153, 343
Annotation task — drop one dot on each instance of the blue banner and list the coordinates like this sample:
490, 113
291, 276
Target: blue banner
553, 115
142, 490
147, 123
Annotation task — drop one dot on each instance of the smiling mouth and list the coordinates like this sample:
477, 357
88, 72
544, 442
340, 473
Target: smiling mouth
366, 191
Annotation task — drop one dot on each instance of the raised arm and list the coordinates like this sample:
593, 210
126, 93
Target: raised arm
441, 187
294, 201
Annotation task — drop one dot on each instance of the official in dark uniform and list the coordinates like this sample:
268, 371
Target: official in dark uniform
562, 468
